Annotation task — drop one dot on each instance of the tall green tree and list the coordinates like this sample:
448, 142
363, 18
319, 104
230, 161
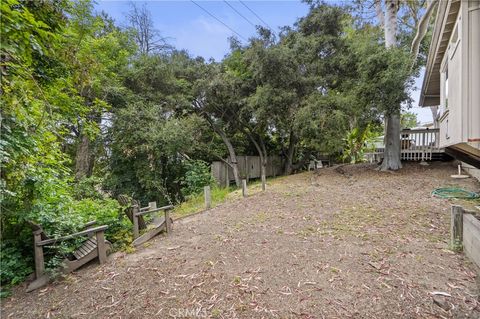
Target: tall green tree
409, 19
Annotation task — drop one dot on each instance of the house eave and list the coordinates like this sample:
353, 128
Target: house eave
447, 12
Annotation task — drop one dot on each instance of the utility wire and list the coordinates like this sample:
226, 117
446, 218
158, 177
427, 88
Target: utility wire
241, 15
218, 20
256, 15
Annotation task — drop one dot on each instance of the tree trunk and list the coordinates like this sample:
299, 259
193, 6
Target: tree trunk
262, 153
83, 158
391, 155
234, 165
391, 8
290, 153
233, 156
231, 151
389, 22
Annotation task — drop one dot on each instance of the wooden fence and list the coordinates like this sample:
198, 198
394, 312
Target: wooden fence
249, 168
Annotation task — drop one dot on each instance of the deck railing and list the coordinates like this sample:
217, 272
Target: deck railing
415, 145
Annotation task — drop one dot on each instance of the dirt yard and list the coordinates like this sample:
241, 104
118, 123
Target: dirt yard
342, 243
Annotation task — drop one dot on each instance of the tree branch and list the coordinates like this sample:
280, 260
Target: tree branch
379, 12
421, 30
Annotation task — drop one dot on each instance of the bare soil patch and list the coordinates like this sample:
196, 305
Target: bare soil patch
352, 244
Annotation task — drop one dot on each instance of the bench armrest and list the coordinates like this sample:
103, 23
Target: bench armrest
141, 213
82, 233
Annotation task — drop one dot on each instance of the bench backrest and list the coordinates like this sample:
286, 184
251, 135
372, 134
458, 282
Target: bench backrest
129, 203
37, 229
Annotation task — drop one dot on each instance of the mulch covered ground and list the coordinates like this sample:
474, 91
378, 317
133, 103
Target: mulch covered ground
341, 243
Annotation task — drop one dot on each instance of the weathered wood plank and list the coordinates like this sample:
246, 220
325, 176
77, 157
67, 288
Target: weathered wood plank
82, 233
38, 252
168, 221
101, 247
208, 197
136, 231
456, 228
153, 210
86, 248
471, 238
149, 235
72, 265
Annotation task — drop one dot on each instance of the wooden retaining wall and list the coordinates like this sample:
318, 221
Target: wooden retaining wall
249, 168
471, 237
465, 233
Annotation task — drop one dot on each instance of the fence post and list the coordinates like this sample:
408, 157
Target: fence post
152, 206
456, 228
244, 187
136, 228
208, 197
38, 250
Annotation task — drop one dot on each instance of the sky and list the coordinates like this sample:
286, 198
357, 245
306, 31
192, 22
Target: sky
187, 26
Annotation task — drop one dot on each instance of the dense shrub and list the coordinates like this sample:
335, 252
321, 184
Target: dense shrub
56, 210
14, 267
88, 187
196, 177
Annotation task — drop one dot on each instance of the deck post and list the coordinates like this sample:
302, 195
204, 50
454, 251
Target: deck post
456, 228
244, 187
208, 197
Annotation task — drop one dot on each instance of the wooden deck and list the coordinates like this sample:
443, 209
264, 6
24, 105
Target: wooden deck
416, 145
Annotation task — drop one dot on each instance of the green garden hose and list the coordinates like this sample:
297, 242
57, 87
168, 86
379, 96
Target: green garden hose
454, 192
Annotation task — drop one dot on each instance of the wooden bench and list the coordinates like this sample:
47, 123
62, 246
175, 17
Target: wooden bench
95, 246
135, 213
314, 165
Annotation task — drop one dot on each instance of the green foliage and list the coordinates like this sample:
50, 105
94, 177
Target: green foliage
88, 187
58, 214
84, 115
197, 176
13, 266
357, 142
54, 76
408, 120
196, 203
105, 212
148, 150
385, 78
